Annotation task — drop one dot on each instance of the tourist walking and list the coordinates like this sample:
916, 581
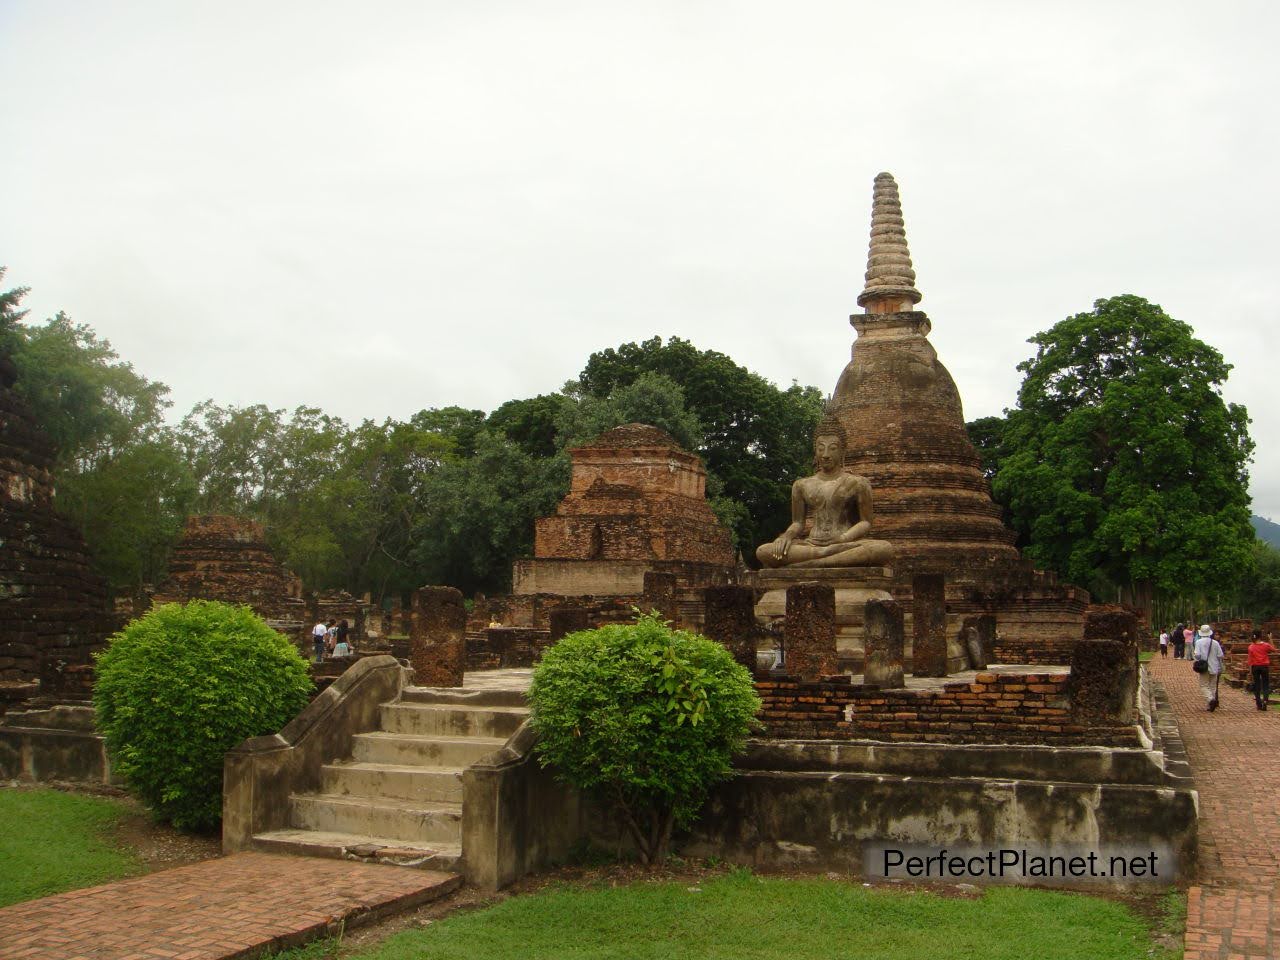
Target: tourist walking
1207, 653
317, 637
344, 635
1179, 642
1164, 644
1260, 652
1189, 642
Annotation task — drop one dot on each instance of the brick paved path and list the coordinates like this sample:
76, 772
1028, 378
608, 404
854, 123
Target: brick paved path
1235, 757
235, 906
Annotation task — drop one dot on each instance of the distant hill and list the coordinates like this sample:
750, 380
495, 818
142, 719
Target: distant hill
1266, 530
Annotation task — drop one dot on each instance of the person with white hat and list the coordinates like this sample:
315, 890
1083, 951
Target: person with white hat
1207, 654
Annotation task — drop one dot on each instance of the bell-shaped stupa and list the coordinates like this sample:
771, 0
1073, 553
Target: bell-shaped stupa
904, 424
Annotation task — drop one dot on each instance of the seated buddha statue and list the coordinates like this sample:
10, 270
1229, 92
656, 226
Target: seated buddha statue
831, 514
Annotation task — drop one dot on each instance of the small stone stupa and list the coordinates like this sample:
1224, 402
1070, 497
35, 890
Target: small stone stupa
227, 558
903, 419
636, 504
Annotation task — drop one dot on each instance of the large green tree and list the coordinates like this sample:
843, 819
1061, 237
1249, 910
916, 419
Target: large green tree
757, 438
1259, 594
477, 513
1123, 466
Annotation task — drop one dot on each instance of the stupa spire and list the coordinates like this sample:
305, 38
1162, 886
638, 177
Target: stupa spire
891, 282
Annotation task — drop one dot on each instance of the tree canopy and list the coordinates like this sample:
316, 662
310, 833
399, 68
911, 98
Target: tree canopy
1122, 465
448, 495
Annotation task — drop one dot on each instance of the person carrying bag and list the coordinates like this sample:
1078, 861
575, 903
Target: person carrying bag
1208, 663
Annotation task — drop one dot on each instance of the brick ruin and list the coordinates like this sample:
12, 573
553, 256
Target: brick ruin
1235, 637
906, 434
989, 708
55, 611
529, 623
636, 504
227, 558
634, 531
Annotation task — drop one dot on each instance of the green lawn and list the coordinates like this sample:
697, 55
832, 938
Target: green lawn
52, 841
743, 917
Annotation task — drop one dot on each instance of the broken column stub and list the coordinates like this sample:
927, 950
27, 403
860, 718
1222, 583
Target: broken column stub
978, 635
660, 594
731, 621
1105, 622
809, 636
1103, 686
437, 637
563, 621
929, 625
884, 640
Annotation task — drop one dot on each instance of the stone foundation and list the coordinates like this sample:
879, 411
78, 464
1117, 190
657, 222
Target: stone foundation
853, 587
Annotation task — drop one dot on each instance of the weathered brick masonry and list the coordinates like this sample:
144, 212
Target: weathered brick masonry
54, 610
992, 708
227, 558
636, 504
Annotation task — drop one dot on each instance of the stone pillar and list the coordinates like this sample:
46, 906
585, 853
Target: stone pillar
978, 636
810, 632
566, 620
731, 621
884, 641
1103, 686
929, 625
1103, 622
660, 594
437, 637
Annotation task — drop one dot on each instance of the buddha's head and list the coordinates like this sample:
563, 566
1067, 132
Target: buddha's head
828, 445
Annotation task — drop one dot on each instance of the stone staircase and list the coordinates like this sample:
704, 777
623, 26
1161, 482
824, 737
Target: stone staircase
398, 798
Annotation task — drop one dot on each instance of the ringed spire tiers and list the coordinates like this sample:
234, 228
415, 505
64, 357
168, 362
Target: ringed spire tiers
890, 278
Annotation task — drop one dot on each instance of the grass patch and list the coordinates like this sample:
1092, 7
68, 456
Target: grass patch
743, 917
53, 841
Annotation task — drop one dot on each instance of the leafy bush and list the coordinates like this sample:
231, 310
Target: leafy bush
181, 686
644, 716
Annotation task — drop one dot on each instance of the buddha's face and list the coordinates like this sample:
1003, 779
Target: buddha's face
828, 452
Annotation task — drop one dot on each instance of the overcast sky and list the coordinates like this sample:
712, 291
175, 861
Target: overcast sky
379, 207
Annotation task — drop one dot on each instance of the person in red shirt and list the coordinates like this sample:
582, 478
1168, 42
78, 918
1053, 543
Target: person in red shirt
1260, 652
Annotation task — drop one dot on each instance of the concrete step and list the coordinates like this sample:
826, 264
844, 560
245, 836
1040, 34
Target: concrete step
452, 720
405, 750
481, 697
413, 820
354, 846
395, 782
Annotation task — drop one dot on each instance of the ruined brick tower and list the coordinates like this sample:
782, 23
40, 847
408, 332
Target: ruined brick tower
905, 426
636, 504
53, 607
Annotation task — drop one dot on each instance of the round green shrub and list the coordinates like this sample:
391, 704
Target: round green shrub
646, 717
179, 687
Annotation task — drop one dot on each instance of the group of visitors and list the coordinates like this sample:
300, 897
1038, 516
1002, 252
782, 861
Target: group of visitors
1204, 651
332, 639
